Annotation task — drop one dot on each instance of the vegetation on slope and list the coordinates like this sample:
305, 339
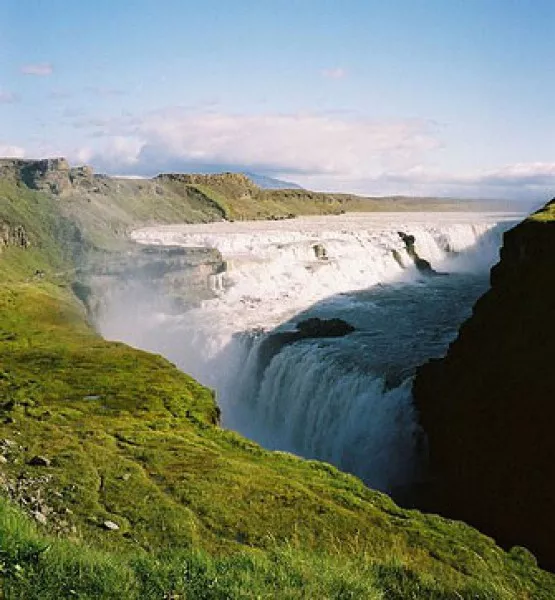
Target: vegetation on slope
106, 208
137, 493
40, 567
545, 214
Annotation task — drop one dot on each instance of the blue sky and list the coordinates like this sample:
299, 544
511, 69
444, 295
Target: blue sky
450, 97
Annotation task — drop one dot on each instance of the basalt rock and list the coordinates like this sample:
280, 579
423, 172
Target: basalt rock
323, 328
320, 251
488, 407
310, 328
13, 235
179, 273
421, 264
52, 175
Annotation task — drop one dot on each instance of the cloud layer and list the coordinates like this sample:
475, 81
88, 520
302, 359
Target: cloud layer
520, 181
9, 151
38, 69
8, 97
311, 144
334, 73
334, 152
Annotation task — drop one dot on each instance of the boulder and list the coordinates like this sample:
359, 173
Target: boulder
309, 328
319, 328
40, 461
110, 525
320, 251
40, 517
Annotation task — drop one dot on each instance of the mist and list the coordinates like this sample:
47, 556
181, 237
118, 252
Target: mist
344, 400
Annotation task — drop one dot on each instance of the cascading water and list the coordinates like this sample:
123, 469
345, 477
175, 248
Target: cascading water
345, 400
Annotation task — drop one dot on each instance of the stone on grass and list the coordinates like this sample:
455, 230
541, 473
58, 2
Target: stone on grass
40, 517
40, 461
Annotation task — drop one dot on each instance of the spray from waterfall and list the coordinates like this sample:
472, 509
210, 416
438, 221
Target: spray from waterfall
346, 400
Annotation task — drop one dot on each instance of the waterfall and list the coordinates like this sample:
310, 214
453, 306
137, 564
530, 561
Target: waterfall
346, 400
309, 402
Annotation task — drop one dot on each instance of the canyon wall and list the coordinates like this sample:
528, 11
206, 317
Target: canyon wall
488, 407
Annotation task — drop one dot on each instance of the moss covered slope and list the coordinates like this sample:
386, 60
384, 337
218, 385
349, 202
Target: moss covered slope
137, 492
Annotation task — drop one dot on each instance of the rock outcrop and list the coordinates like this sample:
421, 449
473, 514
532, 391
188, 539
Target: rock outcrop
420, 263
13, 235
209, 179
180, 275
323, 328
309, 328
49, 174
488, 407
320, 252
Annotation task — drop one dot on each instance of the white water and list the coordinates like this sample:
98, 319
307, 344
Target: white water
320, 398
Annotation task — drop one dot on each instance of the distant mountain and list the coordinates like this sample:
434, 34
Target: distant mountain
270, 183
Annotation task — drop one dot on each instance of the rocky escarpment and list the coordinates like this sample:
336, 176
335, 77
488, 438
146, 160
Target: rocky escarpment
179, 276
49, 174
13, 235
213, 179
420, 263
488, 407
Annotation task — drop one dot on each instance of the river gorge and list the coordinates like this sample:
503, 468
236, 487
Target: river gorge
344, 399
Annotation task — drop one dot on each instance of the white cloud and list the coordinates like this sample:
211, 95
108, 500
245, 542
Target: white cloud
8, 97
335, 152
531, 175
38, 69
7, 151
290, 143
280, 143
334, 73
521, 181
117, 151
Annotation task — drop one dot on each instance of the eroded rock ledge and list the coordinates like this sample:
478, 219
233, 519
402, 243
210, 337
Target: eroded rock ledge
488, 407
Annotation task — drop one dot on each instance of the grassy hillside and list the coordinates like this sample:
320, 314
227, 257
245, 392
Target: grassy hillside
545, 214
116, 481
106, 208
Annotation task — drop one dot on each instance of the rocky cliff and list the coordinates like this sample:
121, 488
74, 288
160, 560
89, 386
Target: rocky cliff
49, 174
488, 407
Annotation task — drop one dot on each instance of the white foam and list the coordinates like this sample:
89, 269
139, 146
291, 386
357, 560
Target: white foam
273, 270
303, 401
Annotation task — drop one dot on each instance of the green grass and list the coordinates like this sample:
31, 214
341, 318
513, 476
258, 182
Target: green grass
41, 567
545, 214
211, 196
202, 512
55, 241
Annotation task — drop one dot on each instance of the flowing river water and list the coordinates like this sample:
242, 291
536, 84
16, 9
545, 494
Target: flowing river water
346, 400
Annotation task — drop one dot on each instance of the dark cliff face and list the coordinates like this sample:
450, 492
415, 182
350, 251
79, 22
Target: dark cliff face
488, 407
